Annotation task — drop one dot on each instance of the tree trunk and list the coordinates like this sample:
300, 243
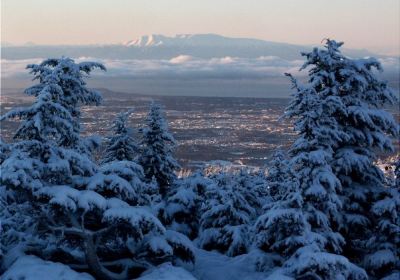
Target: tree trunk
94, 264
93, 260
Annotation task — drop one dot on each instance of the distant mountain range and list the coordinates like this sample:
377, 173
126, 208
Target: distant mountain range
197, 40
164, 47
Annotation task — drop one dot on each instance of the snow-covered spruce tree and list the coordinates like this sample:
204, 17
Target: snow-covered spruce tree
278, 171
286, 239
183, 206
316, 241
42, 155
383, 259
361, 95
70, 77
121, 145
311, 154
226, 215
182, 209
119, 169
4, 150
282, 229
253, 187
108, 237
121, 179
73, 220
157, 150
109, 229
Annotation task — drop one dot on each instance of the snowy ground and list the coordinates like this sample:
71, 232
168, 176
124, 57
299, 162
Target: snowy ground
33, 268
209, 266
212, 265
168, 272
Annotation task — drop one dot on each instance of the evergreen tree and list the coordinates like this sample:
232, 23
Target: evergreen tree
366, 127
4, 150
309, 262
43, 156
315, 195
226, 215
121, 144
383, 259
314, 111
182, 209
157, 148
277, 175
311, 155
75, 213
68, 78
119, 169
121, 179
384, 244
253, 187
282, 229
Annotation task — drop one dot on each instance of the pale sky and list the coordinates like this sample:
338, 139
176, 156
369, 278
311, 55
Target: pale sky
370, 24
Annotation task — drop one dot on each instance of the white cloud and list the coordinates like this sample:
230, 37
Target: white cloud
180, 59
16, 68
188, 67
224, 60
390, 63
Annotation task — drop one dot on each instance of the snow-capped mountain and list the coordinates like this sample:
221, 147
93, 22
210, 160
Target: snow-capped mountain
195, 40
161, 40
147, 41
165, 47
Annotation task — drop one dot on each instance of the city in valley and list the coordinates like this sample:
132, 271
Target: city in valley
209, 130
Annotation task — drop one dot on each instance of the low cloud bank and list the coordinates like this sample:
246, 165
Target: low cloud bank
182, 66
186, 66
188, 75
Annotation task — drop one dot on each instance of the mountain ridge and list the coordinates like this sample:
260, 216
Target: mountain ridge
153, 40
157, 46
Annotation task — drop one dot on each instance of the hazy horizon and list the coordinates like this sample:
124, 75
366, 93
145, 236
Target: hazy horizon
362, 24
198, 65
